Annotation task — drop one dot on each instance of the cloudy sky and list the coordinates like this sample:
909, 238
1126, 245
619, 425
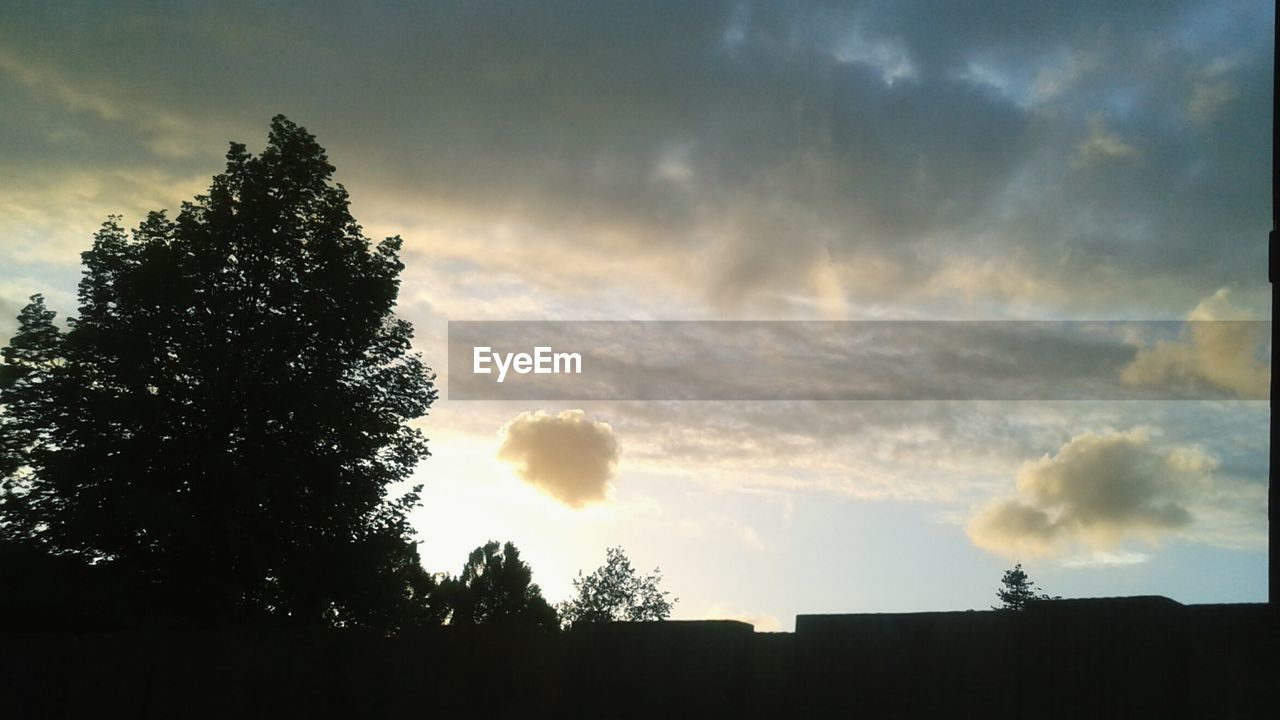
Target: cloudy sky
743, 160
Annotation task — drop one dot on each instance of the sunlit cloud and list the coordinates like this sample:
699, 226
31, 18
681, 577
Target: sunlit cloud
1102, 558
568, 456
762, 622
1097, 490
1227, 355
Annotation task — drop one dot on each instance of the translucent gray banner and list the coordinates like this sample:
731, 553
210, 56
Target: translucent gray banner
861, 360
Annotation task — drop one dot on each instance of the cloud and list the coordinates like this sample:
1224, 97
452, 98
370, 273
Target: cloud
725, 528
1208, 100
1102, 145
1212, 350
885, 143
1102, 558
1097, 490
568, 456
883, 360
762, 622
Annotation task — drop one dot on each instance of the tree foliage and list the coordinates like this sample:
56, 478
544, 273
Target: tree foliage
226, 417
614, 592
495, 586
32, 361
1017, 589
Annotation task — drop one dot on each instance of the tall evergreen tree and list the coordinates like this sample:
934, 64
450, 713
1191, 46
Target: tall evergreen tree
227, 419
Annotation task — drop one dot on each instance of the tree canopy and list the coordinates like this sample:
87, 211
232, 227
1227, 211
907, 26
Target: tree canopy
495, 586
1017, 589
614, 592
226, 421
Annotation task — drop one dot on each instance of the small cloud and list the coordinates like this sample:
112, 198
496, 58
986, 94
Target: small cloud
1097, 490
1211, 92
1223, 354
1207, 101
568, 456
1102, 145
761, 621
1101, 558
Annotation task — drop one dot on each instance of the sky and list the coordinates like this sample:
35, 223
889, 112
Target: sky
898, 160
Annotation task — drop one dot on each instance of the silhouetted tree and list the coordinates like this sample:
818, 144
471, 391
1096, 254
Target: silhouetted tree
615, 593
1016, 589
224, 418
495, 586
32, 361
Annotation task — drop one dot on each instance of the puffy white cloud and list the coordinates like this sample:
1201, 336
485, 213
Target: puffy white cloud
568, 456
1096, 490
